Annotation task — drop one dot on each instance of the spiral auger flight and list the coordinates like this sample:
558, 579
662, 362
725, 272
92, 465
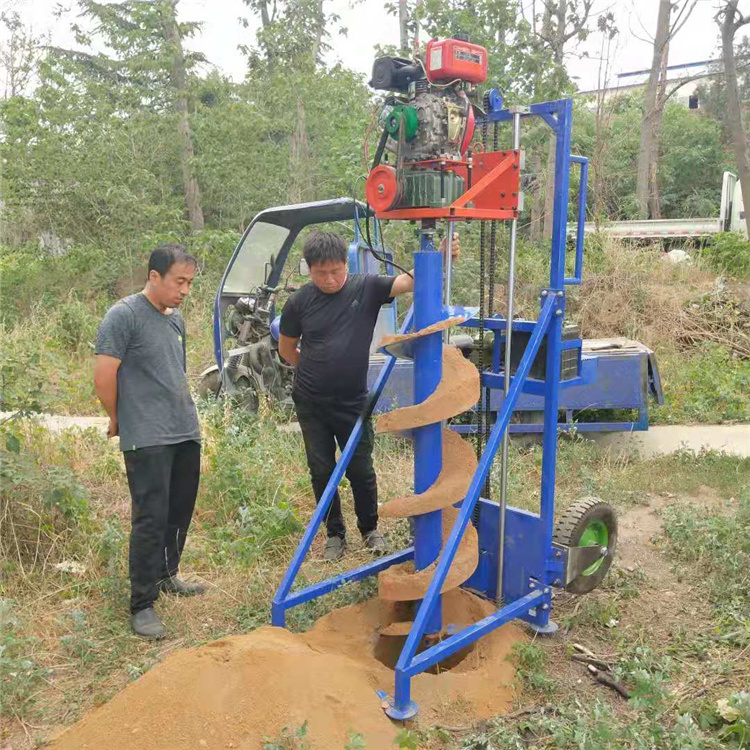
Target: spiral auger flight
457, 391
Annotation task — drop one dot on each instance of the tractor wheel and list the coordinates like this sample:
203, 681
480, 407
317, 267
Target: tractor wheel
246, 395
588, 522
209, 385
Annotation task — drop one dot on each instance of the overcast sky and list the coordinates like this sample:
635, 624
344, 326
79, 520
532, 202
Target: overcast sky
368, 24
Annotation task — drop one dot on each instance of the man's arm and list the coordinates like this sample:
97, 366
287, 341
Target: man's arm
288, 349
105, 385
404, 283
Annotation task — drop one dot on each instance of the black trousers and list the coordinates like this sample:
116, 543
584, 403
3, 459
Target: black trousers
324, 425
163, 482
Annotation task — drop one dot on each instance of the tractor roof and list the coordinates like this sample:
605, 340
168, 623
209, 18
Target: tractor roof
318, 212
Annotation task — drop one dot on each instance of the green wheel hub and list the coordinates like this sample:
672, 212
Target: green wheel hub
594, 535
407, 115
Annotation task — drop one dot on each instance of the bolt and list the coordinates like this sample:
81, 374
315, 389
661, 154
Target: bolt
544, 292
558, 313
381, 189
532, 585
545, 606
558, 582
546, 591
603, 551
558, 553
502, 195
560, 294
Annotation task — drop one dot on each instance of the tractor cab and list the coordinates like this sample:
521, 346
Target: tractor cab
266, 266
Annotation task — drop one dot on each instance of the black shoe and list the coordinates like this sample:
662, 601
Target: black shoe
375, 542
177, 586
146, 624
334, 549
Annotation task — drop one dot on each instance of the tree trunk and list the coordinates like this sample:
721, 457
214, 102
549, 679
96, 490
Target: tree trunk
652, 116
654, 195
179, 82
731, 22
300, 186
403, 25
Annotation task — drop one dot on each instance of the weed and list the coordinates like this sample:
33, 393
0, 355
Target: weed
21, 674
77, 642
706, 384
289, 739
408, 739
719, 545
531, 663
728, 253
355, 742
39, 504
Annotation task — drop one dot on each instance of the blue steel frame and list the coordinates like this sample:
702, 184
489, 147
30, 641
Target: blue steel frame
533, 564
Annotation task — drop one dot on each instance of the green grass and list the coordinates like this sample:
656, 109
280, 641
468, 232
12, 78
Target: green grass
716, 543
706, 384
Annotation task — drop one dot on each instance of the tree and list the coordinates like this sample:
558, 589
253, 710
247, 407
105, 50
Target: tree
730, 20
403, 26
562, 21
604, 111
292, 37
173, 38
19, 56
647, 186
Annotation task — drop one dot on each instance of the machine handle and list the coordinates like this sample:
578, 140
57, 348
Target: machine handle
577, 278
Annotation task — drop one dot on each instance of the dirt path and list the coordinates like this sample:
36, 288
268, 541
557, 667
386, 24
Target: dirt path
661, 439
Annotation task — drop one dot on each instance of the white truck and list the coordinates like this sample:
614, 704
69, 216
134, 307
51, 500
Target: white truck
731, 219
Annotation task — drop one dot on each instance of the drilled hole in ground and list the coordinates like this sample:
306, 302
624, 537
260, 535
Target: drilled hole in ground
388, 650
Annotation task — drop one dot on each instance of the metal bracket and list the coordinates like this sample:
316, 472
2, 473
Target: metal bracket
577, 559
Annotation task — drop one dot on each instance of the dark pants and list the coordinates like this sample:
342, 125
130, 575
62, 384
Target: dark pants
324, 425
163, 482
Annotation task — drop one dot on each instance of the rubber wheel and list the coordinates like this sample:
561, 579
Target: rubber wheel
588, 522
209, 385
245, 395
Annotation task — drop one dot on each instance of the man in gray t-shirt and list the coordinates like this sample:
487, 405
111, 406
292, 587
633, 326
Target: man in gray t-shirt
140, 378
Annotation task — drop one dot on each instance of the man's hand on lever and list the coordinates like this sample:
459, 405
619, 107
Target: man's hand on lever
455, 246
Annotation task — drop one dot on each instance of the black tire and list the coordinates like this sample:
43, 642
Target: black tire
209, 385
570, 528
246, 395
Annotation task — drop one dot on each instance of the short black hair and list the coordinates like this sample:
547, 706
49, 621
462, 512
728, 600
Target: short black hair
166, 255
324, 247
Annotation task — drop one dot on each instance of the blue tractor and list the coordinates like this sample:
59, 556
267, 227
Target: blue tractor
616, 374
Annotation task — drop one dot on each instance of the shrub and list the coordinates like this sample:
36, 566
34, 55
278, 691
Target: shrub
728, 253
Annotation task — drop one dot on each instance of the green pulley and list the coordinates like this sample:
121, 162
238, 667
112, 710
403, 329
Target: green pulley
406, 114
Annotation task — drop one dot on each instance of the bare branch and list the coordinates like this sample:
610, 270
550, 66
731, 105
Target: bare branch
677, 24
578, 27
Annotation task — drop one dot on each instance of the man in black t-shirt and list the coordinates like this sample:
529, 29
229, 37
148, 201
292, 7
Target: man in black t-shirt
335, 316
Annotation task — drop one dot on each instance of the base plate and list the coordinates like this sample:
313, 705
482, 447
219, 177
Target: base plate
548, 629
411, 710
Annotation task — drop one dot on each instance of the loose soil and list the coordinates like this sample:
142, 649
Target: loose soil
235, 692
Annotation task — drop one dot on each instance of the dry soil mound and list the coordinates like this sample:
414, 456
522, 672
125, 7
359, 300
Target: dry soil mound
236, 691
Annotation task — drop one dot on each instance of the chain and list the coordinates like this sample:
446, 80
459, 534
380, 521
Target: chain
480, 358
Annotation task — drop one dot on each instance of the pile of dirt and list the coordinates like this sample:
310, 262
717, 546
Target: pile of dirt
235, 692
